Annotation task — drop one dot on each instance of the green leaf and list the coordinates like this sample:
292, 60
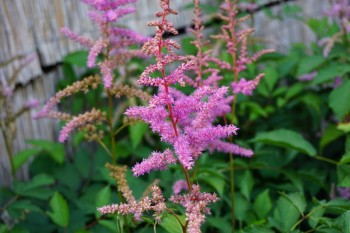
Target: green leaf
308, 64
315, 215
60, 210
109, 224
103, 198
263, 204
21, 157
171, 225
339, 100
329, 72
271, 77
285, 215
78, 58
55, 150
246, 184
343, 172
331, 134
294, 90
38, 181
136, 133
297, 199
345, 127
288, 139
220, 223
345, 159
258, 229
214, 178
346, 222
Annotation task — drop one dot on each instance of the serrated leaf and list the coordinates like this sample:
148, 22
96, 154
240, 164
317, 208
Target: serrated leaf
55, 150
103, 198
263, 204
288, 139
136, 133
213, 178
343, 172
60, 210
331, 134
271, 78
246, 184
171, 225
314, 215
285, 215
297, 199
36, 182
21, 157
308, 64
329, 72
346, 222
339, 100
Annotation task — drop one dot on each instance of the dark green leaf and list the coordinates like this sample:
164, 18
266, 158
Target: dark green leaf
308, 64
286, 138
331, 134
246, 184
285, 215
103, 198
330, 72
297, 199
339, 100
346, 222
343, 172
55, 150
21, 157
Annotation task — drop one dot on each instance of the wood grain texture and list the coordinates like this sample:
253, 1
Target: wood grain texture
33, 27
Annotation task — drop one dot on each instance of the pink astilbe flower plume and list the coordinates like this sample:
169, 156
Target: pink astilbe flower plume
195, 204
79, 121
114, 40
246, 87
157, 161
156, 203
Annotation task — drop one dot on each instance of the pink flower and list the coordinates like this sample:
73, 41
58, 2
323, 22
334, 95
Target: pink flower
32, 103
157, 161
246, 87
308, 77
95, 50
179, 186
195, 204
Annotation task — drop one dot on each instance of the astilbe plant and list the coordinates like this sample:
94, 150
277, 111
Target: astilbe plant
187, 123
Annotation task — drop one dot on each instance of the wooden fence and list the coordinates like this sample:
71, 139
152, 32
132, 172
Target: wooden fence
32, 27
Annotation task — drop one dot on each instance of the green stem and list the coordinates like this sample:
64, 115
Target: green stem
110, 124
120, 129
331, 161
105, 147
177, 218
305, 217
